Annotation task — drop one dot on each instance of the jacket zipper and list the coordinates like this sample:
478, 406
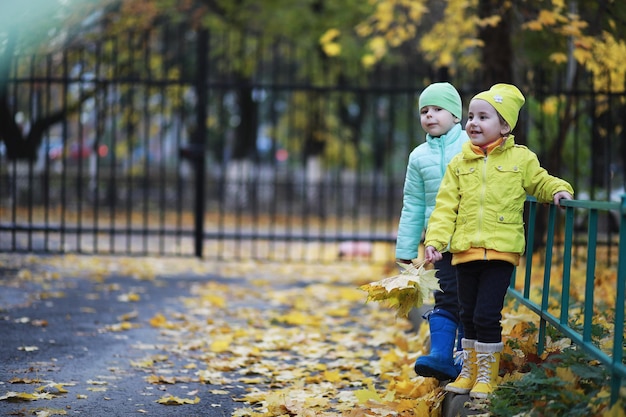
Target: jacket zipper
442, 164
482, 203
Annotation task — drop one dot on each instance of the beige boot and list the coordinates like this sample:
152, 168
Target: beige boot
488, 362
466, 379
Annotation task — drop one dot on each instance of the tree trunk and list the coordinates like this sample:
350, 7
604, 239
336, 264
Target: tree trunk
497, 51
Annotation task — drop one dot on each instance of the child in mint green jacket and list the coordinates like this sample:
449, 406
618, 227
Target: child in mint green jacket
440, 116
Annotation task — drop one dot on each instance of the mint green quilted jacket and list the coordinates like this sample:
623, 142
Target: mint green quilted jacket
425, 169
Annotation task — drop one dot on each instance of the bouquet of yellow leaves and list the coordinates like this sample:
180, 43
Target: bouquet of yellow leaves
405, 291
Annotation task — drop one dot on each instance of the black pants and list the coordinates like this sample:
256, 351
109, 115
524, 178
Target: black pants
482, 288
447, 299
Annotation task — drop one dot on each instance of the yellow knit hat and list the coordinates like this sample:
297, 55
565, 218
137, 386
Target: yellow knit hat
506, 99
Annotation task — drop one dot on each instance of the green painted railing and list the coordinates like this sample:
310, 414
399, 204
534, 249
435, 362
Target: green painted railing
574, 211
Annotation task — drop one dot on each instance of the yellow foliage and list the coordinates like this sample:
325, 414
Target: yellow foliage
606, 63
367, 394
567, 375
413, 388
122, 326
215, 300
160, 379
378, 46
221, 344
281, 364
24, 396
582, 55
396, 21
617, 410
452, 51
158, 320
392, 23
550, 106
329, 36
332, 49
53, 388
297, 318
329, 44
533, 25
489, 21
172, 400
339, 312
548, 17
332, 376
405, 291
558, 57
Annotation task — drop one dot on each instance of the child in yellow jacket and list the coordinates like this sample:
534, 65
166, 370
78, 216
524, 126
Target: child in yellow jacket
479, 213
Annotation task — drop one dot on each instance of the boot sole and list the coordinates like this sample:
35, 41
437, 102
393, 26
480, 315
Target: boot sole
457, 390
428, 372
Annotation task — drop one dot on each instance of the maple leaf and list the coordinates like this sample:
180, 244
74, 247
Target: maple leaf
28, 348
368, 394
221, 344
120, 327
616, 411
172, 400
405, 291
511, 320
53, 388
158, 320
130, 297
160, 379
24, 396
47, 412
24, 380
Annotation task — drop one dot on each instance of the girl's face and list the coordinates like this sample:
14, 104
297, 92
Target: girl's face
483, 123
436, 121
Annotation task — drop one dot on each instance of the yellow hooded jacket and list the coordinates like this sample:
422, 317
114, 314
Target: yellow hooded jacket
480, 204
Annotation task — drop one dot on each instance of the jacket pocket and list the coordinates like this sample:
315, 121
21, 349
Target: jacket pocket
509, 217
470, 184
509, 231
508, 183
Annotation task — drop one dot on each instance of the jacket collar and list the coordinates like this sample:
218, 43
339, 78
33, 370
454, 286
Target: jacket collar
450, 137
469, 153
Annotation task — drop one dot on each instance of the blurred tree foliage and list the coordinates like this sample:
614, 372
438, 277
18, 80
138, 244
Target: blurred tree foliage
488, 40
549, 43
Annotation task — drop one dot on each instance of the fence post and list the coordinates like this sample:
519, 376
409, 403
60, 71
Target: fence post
618, 339
545, 290
199, 139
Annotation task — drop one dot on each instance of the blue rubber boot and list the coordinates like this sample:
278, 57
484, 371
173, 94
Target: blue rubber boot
439, 363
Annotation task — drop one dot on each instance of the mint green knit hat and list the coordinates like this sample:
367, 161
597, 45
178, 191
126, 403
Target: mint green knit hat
442, 95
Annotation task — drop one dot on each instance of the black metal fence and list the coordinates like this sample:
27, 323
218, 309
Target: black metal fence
181, 143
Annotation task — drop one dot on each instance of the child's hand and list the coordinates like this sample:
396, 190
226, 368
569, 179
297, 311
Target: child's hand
561, 195
432, 255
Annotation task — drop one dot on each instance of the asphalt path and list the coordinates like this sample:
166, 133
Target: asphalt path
64, 333
62, 339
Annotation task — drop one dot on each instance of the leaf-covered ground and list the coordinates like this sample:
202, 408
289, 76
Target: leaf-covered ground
266, 339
